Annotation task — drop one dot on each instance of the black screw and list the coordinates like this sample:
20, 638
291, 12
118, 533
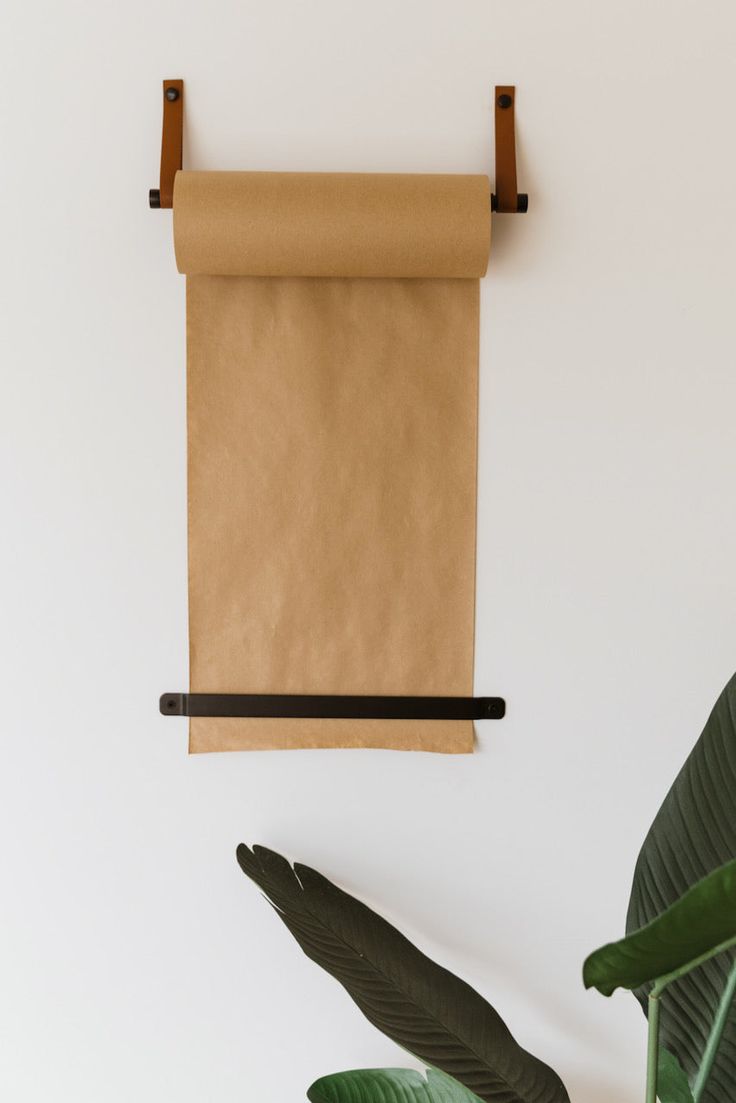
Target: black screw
504, 100
172, 94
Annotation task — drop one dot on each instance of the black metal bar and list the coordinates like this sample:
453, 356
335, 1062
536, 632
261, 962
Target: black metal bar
318, 706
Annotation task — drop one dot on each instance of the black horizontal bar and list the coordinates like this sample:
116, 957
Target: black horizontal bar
318, 706
522, 201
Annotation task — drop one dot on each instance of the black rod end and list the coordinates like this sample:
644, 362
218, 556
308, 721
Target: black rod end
172, 704
154, 199
494, 708
522, 204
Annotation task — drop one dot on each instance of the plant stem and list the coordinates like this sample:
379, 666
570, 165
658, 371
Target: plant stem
652, 1048
714, 1038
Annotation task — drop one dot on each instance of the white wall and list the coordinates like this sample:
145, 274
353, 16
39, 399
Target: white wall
137, 962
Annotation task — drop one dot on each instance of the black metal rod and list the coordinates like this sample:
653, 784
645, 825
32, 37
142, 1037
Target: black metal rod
522, 201
319, 706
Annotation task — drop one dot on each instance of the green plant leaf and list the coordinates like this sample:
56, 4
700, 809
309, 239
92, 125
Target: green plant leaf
696, 925
693, 833
424, 1008
672, 1085
391, 1086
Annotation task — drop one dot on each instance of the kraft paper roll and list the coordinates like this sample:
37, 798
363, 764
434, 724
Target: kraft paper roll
325, 224
332, 335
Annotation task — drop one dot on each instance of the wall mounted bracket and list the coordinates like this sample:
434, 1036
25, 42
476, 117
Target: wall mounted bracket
505, 199
172, 141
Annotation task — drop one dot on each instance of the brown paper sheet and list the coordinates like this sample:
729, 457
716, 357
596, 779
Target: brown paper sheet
332, 331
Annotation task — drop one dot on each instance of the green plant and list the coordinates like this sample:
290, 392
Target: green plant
701, 925
422, 1007
677, 956
390, 1086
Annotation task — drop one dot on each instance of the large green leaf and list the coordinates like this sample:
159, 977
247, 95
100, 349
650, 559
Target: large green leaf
421, 1006
693, 833
389, 1086
672, 1085
694, 926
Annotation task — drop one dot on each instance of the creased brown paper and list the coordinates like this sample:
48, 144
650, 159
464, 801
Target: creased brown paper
332, 330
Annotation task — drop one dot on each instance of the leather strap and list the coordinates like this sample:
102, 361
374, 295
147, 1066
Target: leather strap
171, 139
506, 188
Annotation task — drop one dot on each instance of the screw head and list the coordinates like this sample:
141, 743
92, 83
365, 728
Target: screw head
504, 100
172, 94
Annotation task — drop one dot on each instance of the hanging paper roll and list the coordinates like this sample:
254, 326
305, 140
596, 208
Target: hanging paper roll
332, 333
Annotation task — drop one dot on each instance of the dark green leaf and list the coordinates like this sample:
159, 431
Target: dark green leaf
693, 833
672, 1085
696, 924
424, 1008
390, 1086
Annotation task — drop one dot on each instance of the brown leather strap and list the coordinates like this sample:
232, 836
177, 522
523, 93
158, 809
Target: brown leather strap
506, 188
171, 139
